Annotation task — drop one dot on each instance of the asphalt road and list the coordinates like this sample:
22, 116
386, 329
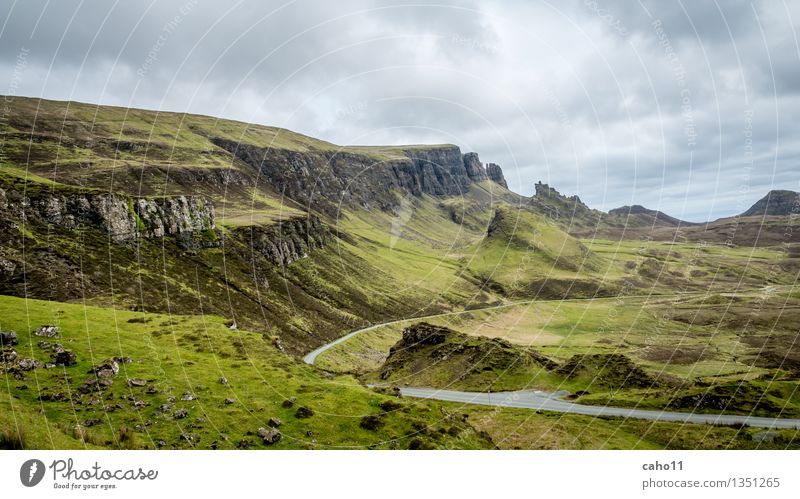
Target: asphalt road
552, 402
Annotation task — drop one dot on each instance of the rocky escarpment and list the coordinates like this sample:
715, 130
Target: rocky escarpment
121, 217
287, 241
776, 203
328, 181
495, 174
569, 210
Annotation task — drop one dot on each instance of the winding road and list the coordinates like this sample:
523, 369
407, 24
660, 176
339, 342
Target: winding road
545, 401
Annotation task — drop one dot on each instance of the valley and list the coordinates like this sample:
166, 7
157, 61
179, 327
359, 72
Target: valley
189, 264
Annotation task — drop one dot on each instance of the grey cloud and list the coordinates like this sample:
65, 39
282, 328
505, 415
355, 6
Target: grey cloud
557, 91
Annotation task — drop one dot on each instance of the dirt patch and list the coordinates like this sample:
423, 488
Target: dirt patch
683, 355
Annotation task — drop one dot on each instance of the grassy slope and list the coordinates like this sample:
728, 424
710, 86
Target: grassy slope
179, 354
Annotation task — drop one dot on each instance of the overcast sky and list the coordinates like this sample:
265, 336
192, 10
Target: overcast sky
688, 107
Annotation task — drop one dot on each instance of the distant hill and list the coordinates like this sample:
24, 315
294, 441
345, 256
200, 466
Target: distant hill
639, 215
775, 203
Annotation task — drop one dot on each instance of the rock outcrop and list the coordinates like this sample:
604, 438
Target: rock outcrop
495, 174
287, 241
326, 181
121, 217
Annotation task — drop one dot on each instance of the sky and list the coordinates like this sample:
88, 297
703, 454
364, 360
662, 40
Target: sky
689, 107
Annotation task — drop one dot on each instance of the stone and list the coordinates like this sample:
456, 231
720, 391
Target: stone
123, 360
8, 338
274, 422
180, 414
136, 382
765, 437
188, 396
223, 380
47, 331
64, 358
269, 436
495, 174
304, 412
27, 364
9, 356
106, 369
424, 334
289, 402
229, 401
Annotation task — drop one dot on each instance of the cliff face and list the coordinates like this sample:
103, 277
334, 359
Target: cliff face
329, 181
495, 174
287, 241
121, 217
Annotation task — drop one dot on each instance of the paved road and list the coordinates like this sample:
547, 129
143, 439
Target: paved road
552, 402
312, 357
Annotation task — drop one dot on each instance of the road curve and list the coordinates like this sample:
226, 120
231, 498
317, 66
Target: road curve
552, 402
544, 401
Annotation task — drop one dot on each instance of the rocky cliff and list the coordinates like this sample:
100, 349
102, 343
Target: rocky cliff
328, 181
495, 174
287, 241
121, 217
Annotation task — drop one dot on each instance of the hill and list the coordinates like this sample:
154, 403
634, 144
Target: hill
775, 203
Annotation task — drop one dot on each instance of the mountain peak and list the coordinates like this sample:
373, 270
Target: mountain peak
775, 203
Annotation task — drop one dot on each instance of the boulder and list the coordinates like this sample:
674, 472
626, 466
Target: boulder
269, 436
304, 412
47, 331
180, 414
106, 369
8, 338
188, 396
289, 402
136, 382
64, 357
274, 422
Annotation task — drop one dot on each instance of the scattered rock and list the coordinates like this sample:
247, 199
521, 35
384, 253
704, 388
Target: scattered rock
161, 443
304, 412
270, 436
136, 382
8, 338
223, 380
47, 331
289, 402
106, 369
188, 396
28, 364
279, 345
44, 345
64, 357
180, 414
274, 422
165, 408
765, 437
229, 401
151, 390
9, 356
91, 422
123, 360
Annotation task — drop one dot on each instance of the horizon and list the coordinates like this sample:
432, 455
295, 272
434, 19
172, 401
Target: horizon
649, 106
483, 161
